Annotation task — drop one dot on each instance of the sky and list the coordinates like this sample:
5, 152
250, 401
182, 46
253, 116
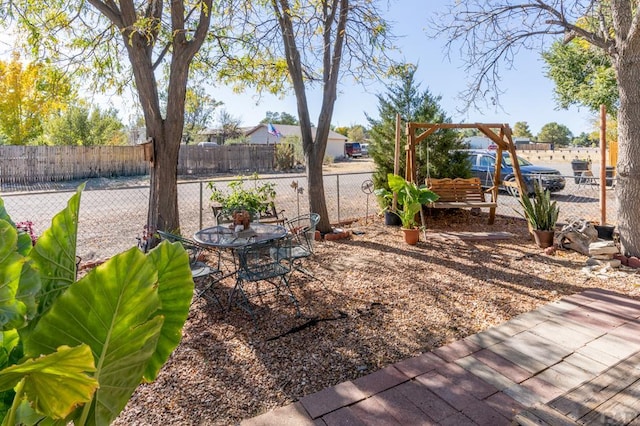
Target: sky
528, 93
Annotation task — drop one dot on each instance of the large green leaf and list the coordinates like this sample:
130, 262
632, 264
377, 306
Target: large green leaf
19, 284
56, 383
55, 252
175, 288
115, 310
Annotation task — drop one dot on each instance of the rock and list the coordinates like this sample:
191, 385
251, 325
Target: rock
634, 262
602, 247
622, 258
613, 263
604, 257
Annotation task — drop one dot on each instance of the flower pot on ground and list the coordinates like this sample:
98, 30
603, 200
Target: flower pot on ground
391, 219
541, 212
411, 236
543, 239
385, 200
411, 198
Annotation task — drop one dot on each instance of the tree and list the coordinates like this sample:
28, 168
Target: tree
556, 134
83, 127
315, 38
29, 94
491, 34
583, 75
521, 129
437, 155
584, 140
198, 110
357, 133
229, 126
148, 43
280, 118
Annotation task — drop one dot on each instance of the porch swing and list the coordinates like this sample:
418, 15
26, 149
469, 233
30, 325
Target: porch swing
460, 192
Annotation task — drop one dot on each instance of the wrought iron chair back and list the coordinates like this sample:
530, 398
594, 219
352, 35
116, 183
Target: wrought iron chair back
256, 263
199, 269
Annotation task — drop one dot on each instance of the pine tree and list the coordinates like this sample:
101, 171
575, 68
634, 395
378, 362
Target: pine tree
436, 156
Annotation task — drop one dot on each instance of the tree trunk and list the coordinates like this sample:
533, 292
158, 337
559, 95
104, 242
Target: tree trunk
628, 167
163, 196
317, 199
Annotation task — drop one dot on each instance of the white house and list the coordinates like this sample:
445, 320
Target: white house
260, 135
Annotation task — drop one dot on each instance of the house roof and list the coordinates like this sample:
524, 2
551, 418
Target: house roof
294, 130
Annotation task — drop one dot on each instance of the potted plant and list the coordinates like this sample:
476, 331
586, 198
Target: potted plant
240, 201
385, 200
411, 197
542, 215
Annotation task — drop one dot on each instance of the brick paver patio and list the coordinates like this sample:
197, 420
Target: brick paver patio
569, 362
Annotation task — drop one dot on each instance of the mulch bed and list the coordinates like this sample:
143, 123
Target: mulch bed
376, 301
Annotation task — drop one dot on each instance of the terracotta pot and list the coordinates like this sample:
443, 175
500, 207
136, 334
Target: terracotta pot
543, 239
411, 236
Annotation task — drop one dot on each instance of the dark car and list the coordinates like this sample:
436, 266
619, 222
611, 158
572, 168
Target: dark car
483, 166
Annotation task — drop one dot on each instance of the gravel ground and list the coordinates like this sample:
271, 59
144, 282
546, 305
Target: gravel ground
376, 301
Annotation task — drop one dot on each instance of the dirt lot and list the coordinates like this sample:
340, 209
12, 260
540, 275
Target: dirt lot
375, 301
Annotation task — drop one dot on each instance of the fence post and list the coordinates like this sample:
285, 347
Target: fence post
338, 196
201, 199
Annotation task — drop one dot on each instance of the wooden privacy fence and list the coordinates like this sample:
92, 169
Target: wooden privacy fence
32, 164
225, 159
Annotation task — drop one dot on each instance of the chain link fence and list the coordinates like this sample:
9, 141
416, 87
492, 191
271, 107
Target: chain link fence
111, 218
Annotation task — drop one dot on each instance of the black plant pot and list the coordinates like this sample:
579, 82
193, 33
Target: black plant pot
605, 232
391, 219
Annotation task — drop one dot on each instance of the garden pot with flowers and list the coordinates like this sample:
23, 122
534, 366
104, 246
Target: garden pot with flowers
411, 198
241, 204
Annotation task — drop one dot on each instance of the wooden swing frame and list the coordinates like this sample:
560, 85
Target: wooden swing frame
500, 134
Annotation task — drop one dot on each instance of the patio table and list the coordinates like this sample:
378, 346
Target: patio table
223, 237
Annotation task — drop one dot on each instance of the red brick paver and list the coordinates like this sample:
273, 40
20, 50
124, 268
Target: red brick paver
531, 356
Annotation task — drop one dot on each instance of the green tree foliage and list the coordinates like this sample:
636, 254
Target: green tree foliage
557, 134
280, 118
228, 127
584, 140
199, 109
83, 127
583, 75
357, 133
521, 129
29, 94
436, 155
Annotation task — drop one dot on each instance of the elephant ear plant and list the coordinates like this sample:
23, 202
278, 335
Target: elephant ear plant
411, 198
75, 350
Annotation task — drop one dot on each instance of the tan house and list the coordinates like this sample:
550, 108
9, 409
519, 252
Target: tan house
261, 135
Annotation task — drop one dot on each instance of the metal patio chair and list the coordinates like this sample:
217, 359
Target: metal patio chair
257, 265
302, 233
200, 271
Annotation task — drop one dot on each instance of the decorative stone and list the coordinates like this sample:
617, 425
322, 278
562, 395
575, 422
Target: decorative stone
622, 258
602, 247
613, 263
603, 256
634, 262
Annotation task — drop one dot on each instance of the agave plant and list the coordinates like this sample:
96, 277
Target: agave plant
541, 213
75, 350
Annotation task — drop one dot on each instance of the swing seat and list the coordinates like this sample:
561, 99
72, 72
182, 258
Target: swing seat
461, 193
